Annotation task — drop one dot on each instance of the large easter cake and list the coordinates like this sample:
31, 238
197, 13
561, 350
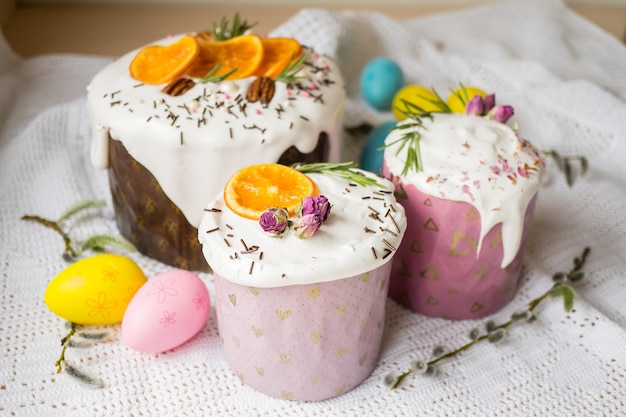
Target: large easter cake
174, 120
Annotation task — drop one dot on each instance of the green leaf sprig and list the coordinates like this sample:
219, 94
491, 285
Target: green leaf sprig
96, 243
495, 333
462, 94
226, 30
410, 140
289, 74
213, 77
411, 137
342, 169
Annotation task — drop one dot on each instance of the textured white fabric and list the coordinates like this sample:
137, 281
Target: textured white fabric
567, 80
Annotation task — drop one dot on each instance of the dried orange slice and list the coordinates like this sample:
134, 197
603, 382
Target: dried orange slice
158, 64
277, 54
254, 189
244, 53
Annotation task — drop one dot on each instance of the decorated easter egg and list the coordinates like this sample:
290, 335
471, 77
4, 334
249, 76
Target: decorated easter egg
94, 290
372, 154
166, 312
461, 96
380, 80
414, 99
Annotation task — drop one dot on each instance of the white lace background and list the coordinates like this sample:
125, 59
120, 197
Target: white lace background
567, 80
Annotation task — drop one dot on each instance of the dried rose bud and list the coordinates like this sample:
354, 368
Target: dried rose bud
502, 113
489, 102
318, 205
306, 226
274, 221
475, 107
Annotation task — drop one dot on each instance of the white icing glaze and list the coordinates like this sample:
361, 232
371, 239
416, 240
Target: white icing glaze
341, 248
478, 161
194, 142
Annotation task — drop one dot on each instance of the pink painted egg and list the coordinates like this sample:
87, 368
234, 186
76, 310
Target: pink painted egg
166, 311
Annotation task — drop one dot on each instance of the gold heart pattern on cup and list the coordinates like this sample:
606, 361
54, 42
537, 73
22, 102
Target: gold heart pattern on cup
297, 314
283, 314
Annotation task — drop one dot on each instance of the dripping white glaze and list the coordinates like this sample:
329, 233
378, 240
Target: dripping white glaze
194, 142
353, 240
478, 161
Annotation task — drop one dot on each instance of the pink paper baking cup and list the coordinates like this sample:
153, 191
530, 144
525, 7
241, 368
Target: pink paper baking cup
303, 342
437, 271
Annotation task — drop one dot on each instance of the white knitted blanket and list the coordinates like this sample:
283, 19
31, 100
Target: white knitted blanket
567, 81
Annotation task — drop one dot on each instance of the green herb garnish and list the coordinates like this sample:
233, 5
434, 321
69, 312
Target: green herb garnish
411, 137
342, 169
226, 30
462, 94
212, 77
289, 74
411, 141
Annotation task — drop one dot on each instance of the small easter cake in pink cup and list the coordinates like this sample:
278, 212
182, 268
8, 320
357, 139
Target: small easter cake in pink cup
301, 259
468, 183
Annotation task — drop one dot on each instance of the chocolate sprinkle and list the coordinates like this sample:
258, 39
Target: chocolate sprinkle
384, 229
389, 245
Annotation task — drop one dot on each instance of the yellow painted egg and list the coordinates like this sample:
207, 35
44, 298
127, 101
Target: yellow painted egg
409, 98
461, 96
95, 290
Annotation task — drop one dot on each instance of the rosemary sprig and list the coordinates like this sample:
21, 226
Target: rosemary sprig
289, 74
411, 141
96, 243
226, 30
411, 110
462, 94
495, 333
414, 113
342, 169
213, 77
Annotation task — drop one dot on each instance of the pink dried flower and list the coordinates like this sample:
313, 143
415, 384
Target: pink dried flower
489, 102
307, 225
316, 205
475, 107
274, 221
502, 113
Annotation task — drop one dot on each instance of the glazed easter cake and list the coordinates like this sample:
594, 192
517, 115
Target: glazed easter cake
174, 120
468, 183
300, 296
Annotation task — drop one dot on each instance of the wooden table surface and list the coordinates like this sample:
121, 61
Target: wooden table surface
113, 31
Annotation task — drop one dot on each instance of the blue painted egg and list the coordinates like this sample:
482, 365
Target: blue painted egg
372, 155
380, 81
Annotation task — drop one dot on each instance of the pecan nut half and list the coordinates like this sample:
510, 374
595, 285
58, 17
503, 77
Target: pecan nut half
179, 86
262, 89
